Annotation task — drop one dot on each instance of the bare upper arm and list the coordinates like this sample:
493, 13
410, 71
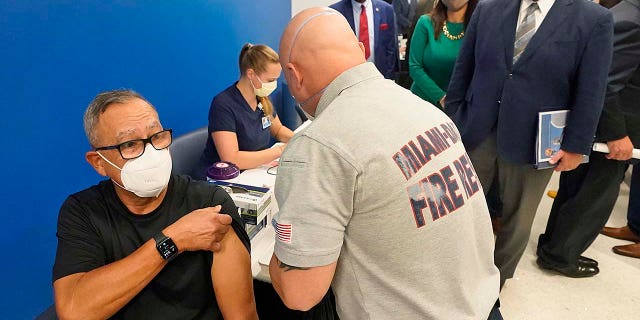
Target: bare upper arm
279, 131
232, 279
276, 125
226, 143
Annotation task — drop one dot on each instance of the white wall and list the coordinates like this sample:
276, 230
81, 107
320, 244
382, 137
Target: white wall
299, 5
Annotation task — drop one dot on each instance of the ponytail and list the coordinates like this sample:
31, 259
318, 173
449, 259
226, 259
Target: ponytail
258, 57
267, 106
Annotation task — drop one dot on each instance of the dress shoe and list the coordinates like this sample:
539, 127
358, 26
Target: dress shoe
623, 233
629, 250
586, 262
573, 271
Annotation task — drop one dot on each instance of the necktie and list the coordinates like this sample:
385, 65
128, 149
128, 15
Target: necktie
363, 34
526, 31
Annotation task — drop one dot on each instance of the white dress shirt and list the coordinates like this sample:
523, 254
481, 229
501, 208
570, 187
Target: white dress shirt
540, 14
356, 23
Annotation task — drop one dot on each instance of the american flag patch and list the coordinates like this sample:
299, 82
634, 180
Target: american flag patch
283, 231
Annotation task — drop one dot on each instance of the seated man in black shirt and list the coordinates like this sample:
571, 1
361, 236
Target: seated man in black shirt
145, 244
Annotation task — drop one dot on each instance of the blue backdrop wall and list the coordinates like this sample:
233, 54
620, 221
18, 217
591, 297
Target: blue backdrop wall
54, 57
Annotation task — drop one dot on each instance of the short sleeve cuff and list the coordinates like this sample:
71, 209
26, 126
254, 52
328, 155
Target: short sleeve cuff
305, 260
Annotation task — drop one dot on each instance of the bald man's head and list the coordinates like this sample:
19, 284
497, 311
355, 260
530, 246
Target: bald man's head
316, 47
296, 25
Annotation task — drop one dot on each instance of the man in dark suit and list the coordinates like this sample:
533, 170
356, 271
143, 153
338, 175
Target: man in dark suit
405, 15
381, 44
412, 10
588, 194
520, 58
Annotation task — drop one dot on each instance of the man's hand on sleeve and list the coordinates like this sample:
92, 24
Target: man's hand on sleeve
621, 149
566, 160
201, 229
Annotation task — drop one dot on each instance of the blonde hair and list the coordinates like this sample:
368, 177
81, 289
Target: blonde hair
258, 57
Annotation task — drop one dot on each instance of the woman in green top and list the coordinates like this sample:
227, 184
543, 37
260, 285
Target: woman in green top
435, 44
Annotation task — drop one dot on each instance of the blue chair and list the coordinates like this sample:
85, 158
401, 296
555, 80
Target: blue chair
187, 149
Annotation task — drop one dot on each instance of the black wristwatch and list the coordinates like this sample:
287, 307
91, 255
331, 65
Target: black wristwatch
166, 247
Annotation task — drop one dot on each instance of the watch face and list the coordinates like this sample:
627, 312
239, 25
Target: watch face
167, 248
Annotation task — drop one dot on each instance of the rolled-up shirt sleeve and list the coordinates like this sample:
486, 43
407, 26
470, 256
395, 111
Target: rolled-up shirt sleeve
315, 192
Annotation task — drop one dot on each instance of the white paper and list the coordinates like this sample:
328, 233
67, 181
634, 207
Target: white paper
602, 147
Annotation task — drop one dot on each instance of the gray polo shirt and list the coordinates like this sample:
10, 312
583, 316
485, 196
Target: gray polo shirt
381, 183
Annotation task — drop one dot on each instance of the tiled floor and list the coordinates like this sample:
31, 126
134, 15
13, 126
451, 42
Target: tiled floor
534, 294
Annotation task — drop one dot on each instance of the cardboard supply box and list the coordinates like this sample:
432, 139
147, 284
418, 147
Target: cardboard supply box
254, 204
252, 230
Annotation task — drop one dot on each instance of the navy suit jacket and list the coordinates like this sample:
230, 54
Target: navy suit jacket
405, 15
386, 41
564, 66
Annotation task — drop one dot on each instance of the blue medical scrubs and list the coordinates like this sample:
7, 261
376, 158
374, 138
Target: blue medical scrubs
230, 112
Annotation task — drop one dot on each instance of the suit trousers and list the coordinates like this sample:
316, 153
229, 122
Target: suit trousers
581, 208
520, 188
633, 213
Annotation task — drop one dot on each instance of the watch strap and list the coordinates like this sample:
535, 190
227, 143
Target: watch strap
159, 237
165, 246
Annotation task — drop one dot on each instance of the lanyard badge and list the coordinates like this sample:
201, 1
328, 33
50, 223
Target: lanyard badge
266, 122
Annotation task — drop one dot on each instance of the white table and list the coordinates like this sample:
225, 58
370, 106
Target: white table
262, 244
261, 251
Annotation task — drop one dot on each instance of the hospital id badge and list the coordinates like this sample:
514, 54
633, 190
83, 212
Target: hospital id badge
266, 123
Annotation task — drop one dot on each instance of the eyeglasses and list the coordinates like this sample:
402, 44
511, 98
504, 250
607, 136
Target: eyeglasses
134, 148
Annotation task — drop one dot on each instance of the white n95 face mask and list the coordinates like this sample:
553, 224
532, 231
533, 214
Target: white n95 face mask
267, 87
147, 175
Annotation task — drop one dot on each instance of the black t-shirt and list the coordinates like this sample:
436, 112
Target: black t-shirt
95, 228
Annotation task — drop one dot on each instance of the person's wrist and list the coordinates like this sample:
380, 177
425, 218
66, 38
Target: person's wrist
166, 247
170, 232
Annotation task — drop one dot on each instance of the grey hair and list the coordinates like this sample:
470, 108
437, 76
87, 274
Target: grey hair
100, 104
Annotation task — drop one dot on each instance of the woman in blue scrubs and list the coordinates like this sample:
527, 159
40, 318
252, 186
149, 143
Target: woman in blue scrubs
241, 118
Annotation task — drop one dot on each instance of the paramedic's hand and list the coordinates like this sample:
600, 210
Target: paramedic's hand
621, 149
566, 160
201, 229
